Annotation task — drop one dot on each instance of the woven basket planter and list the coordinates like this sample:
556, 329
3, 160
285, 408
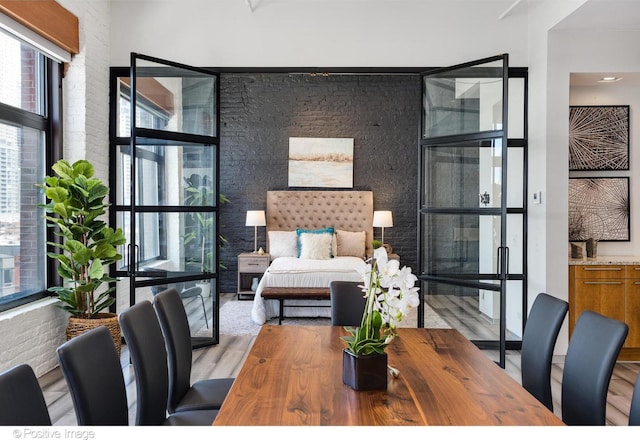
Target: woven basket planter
78, 326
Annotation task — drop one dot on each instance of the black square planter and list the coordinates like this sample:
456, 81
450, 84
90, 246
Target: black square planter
364, 373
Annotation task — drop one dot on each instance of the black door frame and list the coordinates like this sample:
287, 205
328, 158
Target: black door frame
502, 274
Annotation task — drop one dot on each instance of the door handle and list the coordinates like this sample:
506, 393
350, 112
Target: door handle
129, 271
502, 262
601, 268
602, 282
506, 261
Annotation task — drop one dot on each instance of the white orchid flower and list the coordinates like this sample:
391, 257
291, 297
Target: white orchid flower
389, 291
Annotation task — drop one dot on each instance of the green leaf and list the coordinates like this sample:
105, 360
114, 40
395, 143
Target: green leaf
56, 194
104, 251
63, 169
60, 209
65, 272
74, 246
97, 270
86, 287
84, 168
83, 256
98, 192
78, 194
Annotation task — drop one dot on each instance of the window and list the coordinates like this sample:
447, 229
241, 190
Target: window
150, 165
28, 114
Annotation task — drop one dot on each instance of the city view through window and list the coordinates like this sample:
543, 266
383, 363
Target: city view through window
22, 165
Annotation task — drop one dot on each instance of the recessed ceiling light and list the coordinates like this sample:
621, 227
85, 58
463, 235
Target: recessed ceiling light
607, 79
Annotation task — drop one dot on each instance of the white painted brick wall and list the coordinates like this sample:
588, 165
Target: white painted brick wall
86, 88
31, 333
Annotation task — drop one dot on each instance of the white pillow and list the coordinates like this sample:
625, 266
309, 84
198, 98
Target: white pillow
351, 244
283, 244
315, 246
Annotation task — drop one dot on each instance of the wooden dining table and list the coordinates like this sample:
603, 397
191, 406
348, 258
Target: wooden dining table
293, 377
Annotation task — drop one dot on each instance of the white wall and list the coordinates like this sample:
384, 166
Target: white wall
547, 224
327, 33
31, 334
86, 87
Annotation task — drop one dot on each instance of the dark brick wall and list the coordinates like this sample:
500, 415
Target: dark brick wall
258, 114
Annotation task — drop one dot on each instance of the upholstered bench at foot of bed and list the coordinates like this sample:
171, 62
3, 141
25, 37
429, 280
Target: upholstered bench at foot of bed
282, 293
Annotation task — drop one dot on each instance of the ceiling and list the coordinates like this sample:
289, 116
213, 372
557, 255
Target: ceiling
620, 15
614, 15
592, 78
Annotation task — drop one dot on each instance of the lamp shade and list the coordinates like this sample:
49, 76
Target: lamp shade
382, 219
256, 218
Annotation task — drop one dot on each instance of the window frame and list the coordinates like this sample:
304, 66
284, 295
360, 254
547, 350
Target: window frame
50, 123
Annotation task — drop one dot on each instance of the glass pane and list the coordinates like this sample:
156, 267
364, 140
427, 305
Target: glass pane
123, 109
22, 230
516, 108
123, 220
463, 175
515, 240
21, 75
168, 175
515, 177
465, 100
458, 244
199, 299
179, 242
174, 99
514, 310
472, 311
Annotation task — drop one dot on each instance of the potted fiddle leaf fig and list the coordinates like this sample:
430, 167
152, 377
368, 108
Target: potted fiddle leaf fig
87, 246
199, 192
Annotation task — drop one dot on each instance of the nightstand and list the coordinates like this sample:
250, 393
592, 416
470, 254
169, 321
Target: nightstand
250, 266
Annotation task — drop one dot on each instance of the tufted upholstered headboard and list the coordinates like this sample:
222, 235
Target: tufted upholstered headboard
346, 210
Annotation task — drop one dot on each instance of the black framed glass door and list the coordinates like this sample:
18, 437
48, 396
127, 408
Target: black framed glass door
471, 231
167, 186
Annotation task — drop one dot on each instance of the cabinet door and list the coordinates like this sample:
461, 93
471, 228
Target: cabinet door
632, 309
606, 297
632, 314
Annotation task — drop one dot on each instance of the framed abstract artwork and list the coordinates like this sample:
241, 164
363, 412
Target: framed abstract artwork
599, 208
598, 137
321, 162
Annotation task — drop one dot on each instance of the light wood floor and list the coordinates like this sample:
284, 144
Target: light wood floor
226, 359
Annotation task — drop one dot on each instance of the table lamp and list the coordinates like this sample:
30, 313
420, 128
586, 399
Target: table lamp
255, 219
382, 219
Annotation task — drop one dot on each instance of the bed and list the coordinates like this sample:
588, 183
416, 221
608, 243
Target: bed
298, 226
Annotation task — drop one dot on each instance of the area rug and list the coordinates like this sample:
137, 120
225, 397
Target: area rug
235, 319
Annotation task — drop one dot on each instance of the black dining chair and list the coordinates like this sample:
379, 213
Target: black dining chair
143, 337
183, 395
634, 410
591, 356
538, 341
91, 367
347, 303
21, 400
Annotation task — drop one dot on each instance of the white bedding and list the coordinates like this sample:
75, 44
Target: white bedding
296, 272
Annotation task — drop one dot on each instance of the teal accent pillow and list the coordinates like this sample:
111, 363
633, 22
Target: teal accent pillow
329, 230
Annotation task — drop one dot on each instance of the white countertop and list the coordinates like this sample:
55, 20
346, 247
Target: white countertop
606, 259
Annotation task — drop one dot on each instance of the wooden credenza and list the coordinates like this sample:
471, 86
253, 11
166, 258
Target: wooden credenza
611, 287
